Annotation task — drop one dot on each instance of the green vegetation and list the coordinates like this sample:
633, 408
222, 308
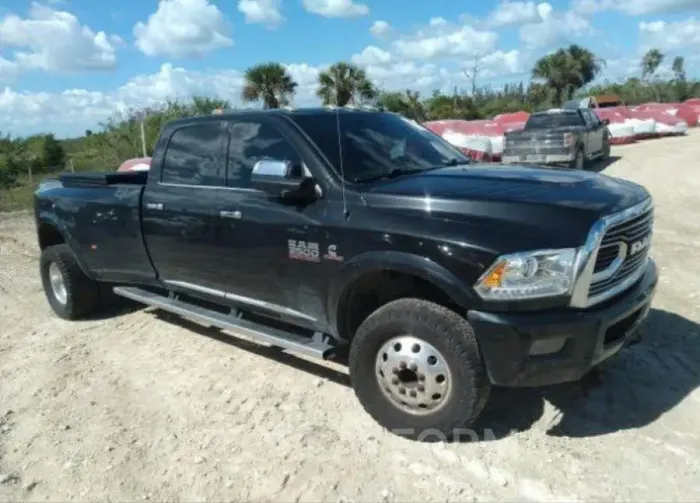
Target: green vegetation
561, 75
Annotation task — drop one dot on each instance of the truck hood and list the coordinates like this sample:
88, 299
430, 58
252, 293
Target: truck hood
560, 200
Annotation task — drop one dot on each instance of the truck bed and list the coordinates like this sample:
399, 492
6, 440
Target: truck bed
103, 213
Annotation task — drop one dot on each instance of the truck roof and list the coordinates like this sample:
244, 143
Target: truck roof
557, 111
291, 112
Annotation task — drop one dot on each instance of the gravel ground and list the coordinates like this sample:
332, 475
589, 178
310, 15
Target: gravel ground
141, 406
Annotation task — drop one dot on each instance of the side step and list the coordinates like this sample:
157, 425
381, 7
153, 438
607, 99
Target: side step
314, 347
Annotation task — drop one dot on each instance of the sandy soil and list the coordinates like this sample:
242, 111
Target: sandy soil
142, 406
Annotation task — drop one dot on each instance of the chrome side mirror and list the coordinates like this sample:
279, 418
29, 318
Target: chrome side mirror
272, 168
281, 178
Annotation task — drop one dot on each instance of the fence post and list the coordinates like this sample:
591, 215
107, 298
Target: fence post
30, 173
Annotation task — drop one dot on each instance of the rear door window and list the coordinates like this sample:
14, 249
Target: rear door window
195, 155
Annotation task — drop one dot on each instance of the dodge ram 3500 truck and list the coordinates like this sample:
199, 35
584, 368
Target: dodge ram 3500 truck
364, 237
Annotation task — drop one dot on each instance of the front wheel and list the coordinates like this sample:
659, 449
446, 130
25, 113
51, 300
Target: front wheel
417, 370
71, 294
579, 162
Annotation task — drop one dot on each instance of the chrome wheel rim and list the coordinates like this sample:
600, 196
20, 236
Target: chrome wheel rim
413, 375
58, 285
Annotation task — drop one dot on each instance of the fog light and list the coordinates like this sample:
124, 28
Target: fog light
547, 346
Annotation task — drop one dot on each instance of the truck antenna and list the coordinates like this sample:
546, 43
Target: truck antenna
340, 158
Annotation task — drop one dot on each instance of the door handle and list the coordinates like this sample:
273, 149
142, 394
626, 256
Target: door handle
236, 215
154, 206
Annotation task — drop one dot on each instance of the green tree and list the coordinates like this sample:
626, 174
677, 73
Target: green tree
408, 104
680, 83
457, 106
345, 83
269, 83
202, 105
567, 70
678, 68
651, 62
53, 154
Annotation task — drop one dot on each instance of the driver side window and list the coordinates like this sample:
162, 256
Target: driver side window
253, 140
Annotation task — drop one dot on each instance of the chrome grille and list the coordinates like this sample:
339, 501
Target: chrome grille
535, 143
627, 240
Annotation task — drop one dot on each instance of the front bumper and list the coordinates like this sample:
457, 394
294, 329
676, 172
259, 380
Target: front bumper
507, 340
538, 158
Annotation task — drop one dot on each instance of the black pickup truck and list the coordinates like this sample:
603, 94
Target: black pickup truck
362, 236
559, 137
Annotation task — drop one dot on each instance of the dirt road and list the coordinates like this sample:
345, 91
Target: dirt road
140, 406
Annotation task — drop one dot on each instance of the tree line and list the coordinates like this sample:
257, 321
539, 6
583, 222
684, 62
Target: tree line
556, 77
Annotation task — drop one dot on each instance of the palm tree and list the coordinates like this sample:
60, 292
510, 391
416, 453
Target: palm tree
269, 83
345, 83
567, 70
651, 62
589, 65
679, 67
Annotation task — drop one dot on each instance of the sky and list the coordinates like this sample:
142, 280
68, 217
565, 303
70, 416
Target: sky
69, 65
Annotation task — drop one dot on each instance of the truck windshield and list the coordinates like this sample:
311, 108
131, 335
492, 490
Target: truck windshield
546, 121
377, 145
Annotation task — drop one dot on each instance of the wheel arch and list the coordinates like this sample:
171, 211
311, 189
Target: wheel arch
390, 275
51, 232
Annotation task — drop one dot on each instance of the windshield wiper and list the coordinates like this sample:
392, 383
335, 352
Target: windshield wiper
391, 174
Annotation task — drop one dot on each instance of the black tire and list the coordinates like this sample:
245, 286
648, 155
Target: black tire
82, 295
579, 161
606, 149
447, 332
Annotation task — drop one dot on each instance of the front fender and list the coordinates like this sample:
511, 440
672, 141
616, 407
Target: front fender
409, 263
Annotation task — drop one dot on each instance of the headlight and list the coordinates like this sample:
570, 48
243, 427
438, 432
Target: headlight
529, 275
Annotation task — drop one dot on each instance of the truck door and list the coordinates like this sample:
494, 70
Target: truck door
595, 132
255, 231
599, 130
178, 222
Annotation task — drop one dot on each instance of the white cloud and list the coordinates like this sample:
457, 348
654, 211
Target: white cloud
72, 111
407, 75
669, 36
510, 13
183, 28
8, 69
266, 12
444, 40
500, 63
380, 29
438, 21
635, 7
55, 41
372, 55
553, 28
336, 8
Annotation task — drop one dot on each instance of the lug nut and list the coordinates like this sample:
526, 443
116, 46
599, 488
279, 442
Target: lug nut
414, 367
413, 393
394, 381
421, 388
402, 365
421, 377
402, 390
394, 370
